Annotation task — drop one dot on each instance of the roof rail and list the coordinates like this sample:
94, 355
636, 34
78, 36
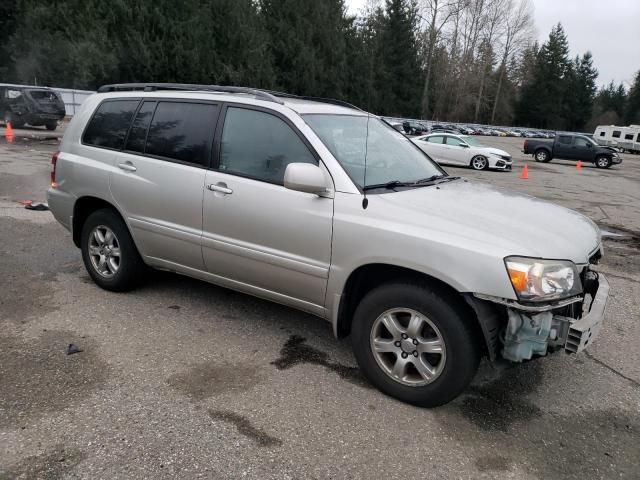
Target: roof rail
332, 101
153, 87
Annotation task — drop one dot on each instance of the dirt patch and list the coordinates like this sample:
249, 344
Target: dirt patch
52, 464
245, 428
493, 463
295, 351
208, 379
37, 376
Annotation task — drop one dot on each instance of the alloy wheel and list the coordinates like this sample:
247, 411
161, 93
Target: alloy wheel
104, 251
408, 347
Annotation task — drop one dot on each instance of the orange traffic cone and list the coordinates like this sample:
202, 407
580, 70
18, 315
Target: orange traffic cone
579, 165
8, 132
525, 172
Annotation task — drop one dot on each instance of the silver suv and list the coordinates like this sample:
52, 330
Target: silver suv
318, 205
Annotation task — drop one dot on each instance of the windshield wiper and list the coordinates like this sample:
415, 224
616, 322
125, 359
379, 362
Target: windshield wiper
429, 179
391, 184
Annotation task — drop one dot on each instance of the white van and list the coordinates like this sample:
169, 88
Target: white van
625, 138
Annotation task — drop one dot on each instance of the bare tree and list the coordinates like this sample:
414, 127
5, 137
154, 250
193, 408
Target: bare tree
518, 32
436, 14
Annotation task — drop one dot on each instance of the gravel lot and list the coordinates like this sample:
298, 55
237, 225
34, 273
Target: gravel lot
184, 379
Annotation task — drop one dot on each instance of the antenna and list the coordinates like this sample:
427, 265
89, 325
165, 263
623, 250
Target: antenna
365, 200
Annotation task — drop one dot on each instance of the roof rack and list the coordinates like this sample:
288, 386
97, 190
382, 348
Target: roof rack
153, 87
332, 101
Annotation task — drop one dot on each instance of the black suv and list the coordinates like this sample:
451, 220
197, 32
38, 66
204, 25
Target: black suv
20, 104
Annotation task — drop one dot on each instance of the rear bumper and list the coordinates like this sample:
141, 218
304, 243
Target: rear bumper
61, 206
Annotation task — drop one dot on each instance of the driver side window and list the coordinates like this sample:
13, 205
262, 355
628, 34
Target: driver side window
259, 145
456, 142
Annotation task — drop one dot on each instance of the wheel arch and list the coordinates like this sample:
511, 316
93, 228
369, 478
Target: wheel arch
367, 277
85, 206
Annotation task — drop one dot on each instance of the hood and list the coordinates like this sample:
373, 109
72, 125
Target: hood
496, 151
482, 216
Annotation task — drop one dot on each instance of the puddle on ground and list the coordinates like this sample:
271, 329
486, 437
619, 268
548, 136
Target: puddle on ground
295, 351
245, 428
208, 379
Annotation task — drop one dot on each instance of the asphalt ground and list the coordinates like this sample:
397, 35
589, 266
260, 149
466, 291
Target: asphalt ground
184, 379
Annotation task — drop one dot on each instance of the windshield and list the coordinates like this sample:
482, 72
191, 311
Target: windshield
471, 141
390, 155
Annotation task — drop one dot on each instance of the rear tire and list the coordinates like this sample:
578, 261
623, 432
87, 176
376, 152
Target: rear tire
9, 117
542, 156
108, 252
603, 162
423, 377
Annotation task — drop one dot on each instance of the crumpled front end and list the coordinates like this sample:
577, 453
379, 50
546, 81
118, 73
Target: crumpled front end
523, 331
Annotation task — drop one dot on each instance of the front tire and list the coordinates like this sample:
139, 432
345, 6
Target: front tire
413, 343
479, 163
108, 252
603, 162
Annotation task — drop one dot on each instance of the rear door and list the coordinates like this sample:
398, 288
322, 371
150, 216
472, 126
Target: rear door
563, 147
159, 178
258, 235
435, 148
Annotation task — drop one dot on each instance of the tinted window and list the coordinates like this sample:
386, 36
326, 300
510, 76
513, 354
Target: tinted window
110, 123
602, 134
454, 141
138, 133
182, 131
628, 136
436, 139
260, 145
616, 134
565, 139
581, 142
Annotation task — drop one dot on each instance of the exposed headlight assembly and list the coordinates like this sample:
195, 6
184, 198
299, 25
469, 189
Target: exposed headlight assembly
538, 280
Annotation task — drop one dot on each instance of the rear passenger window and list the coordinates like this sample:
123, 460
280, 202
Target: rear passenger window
110, 124
182, 131
564, 139
436, 139
138, 133
260, 145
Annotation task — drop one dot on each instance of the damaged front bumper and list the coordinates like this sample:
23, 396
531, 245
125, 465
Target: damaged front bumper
571, 325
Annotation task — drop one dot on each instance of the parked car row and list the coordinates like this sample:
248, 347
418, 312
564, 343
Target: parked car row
421, 127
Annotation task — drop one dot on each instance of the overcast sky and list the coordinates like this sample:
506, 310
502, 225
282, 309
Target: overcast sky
609, 28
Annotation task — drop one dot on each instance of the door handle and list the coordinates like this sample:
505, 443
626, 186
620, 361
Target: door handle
127, 166
219, 189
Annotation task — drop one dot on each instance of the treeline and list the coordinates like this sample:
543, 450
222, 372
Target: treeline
453, 60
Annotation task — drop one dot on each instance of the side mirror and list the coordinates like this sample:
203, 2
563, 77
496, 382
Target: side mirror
305, 177
464, 145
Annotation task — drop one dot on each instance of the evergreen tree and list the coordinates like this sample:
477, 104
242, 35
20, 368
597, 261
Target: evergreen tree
632, 111
400, 75
308, 43
541, 102
580, 92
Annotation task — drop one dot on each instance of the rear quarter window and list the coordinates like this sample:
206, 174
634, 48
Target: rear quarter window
109, 125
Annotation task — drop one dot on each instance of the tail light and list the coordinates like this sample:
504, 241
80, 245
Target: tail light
54, 161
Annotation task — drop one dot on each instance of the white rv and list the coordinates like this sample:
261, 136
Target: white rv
624, 138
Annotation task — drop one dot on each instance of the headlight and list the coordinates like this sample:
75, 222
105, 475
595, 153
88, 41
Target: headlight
536, 280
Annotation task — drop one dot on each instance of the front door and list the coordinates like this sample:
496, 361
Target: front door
258, 235
457, 151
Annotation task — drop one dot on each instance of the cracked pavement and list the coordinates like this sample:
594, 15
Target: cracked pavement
184, 379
